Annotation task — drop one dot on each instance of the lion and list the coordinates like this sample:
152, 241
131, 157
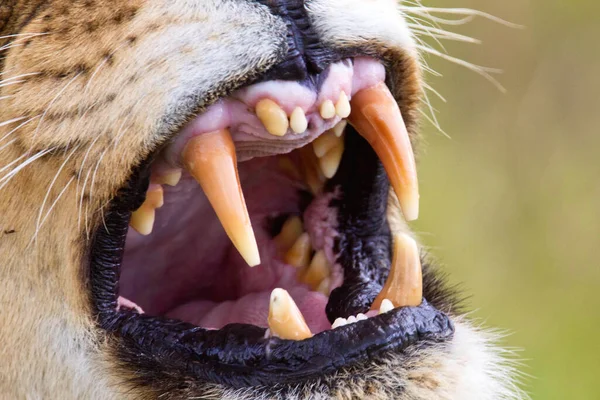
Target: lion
210, 199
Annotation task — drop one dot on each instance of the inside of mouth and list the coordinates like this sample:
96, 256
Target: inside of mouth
188, 269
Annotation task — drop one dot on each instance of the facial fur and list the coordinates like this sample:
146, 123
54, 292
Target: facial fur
91, 89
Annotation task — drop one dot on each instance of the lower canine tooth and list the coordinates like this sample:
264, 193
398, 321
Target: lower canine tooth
290, 232
327, 109
376, 116
404, 285
285, 319
298, 121
142, 220
211, 159
299, 254
342, 107
273, 117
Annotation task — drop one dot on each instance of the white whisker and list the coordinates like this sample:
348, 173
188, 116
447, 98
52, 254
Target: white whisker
11, 121
18, 127
8, 177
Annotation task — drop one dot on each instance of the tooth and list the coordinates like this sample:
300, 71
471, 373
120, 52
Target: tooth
273, 117
299, 254
361, 317
312, 171
324, 287
338, 130
285, 319
290, 232
327, 109
298, 121
171, 178
317, 271
330, 162
339, 322
342, 107
211, 159
386, 306
325, 142
142, 220
404, 285
352, 319
376, 116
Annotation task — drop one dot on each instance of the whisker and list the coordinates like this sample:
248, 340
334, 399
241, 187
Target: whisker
8, 177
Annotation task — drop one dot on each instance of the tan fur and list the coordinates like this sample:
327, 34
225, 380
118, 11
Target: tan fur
94, 88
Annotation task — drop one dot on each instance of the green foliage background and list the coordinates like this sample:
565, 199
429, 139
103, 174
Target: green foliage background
511, 203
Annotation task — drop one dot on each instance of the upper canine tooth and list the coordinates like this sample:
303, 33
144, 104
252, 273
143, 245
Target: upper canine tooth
290, 232
298, 121
273, 117
285, 319
404, 285
327, 109
299, 254
376, 116
342, 107
210, 158
142, 219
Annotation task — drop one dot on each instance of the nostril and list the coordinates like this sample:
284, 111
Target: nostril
307, 58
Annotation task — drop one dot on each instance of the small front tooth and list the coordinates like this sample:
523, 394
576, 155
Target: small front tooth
291, 230
376, 117
299, 254
404, 285
171, 178
327, 109
338, 130
386, 306
342, 107
298, 121
339, 322
142, 220
210, 158
325, 143
317, 271
273, 117
330, 162
285, 319
352, 319
361, 317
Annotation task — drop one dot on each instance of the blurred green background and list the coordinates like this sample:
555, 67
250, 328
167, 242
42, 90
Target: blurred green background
510, 204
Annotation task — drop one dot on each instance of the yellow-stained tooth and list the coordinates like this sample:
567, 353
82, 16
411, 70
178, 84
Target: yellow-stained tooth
327, 141
376, 116
404, 285
311, 170
142, 219
299, 254
327, 109
318, 270
324, 287
330, 162
298, 121
210, 158
342, 107
290, 232
273, 117
338, 130
285, 319
170, 178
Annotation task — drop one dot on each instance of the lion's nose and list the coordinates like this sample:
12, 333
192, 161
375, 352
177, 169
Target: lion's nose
307, 58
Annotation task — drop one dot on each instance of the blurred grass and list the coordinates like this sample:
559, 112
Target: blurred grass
510, 204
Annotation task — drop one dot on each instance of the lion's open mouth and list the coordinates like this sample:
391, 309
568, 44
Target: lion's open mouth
332, 287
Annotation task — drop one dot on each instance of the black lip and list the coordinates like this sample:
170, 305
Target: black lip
238, 355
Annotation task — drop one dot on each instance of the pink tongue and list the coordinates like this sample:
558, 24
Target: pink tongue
253, 309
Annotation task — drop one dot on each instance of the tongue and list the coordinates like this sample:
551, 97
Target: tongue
253, 309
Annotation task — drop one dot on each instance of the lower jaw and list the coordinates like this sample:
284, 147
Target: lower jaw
241, 354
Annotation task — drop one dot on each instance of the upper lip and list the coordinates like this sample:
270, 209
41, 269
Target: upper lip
240, 355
